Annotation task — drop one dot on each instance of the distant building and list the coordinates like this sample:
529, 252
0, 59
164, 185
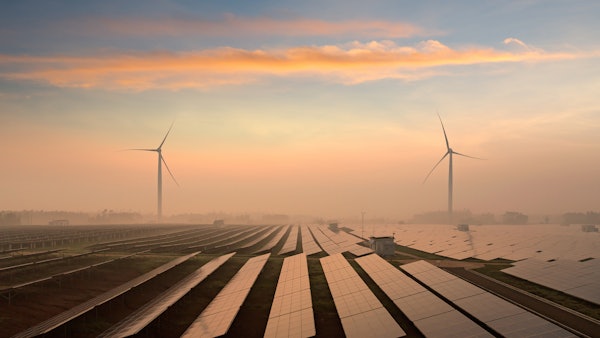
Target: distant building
59, 222
589, 228
383, 246
219, 222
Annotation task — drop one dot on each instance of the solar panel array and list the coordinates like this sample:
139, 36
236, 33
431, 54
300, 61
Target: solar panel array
233, 242
430, 314
222, 236
139, 319
505, 318
339, 242
579, 279
54, 322
262, 236
36, 236
309, 246
274, 241
291, 242
9, 290
486, 242
47, 260
361, 313
559, 257
291, 312
216, 319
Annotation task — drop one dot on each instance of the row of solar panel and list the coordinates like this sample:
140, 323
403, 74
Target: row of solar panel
434, 309
13, 287
291, 312
37, 234
289, 246
487, 242
66, 316
559, 257
216, 319
579, 279
503, 317
9, 245
217, 239
361, 313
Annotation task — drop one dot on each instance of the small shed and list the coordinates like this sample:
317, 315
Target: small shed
383, 246
462, 227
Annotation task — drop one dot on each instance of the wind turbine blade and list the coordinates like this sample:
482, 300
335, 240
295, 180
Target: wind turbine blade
435, 166
139, 149
169, 170
477, 158
443, 129
164, 139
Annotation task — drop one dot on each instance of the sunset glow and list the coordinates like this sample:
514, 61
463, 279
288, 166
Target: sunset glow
300, 109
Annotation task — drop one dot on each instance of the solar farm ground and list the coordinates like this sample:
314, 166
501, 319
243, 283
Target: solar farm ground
38, 303
35, 303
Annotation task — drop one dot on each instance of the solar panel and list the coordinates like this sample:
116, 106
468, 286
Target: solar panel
216, 319
580, 279
261, 237
339, 242
325, 242
559, 249
487, 242
232, 243
56, 321
274, 241
291, 312
490, 309
11, 288
291, 242
431, 315
359, 310
138, 320
309, 246
292, 324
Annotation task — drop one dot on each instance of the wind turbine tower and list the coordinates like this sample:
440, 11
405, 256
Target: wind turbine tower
449, 152
161, 161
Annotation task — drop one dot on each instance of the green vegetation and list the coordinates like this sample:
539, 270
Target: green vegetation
574, 303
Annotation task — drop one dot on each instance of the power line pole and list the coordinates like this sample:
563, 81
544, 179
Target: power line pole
362, 214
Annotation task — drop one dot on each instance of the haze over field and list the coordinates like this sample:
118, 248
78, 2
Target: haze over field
324, 108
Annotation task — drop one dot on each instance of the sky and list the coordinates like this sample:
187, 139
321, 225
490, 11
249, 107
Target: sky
315, 107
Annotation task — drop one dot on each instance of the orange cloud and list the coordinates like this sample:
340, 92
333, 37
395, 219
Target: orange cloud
349, 64
231, 25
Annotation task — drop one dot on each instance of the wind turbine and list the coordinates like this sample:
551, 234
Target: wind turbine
450, 152
161, 160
